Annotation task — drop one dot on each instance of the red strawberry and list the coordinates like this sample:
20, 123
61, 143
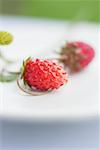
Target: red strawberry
43, 75
76, 56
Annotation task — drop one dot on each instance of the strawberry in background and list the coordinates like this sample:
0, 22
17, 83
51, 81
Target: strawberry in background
76, 56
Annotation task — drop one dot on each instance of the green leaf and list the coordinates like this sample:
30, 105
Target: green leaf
5, 38
8, 78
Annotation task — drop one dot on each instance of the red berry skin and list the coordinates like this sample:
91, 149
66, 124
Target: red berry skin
78, 55
44, 75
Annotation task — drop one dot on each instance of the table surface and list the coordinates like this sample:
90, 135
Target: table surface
54, 136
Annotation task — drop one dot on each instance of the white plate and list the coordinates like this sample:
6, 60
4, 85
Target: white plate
39, 38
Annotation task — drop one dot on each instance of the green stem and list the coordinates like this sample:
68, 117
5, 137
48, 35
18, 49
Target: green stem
6, 76
12, 72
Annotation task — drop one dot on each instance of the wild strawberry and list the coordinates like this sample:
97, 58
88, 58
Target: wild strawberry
76, 56
43, 75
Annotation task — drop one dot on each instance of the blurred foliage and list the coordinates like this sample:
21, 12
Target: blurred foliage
77, 10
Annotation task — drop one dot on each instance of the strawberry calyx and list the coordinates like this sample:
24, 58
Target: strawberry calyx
23, 66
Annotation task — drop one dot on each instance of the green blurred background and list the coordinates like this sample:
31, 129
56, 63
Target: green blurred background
74, 10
